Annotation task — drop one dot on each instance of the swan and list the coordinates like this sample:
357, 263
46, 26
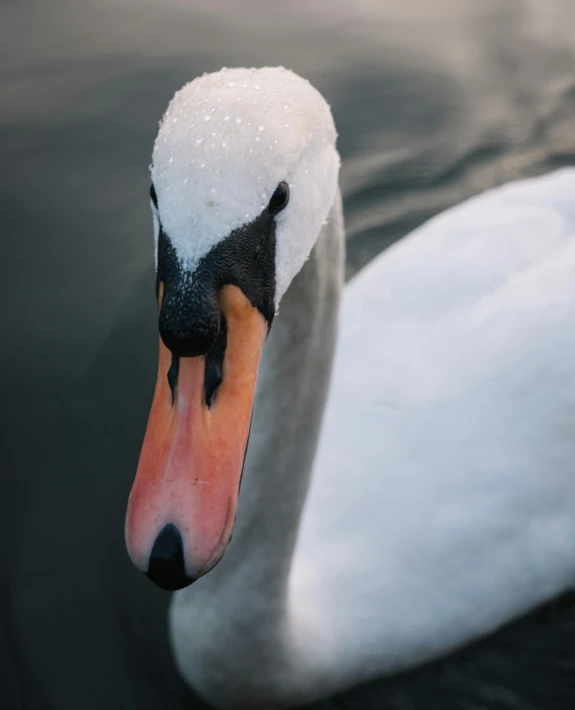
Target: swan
408, 486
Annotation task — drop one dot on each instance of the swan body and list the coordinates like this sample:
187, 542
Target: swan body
444, 472
435, 500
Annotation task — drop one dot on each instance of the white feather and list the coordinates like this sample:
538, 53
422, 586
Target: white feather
226, 141
442, 501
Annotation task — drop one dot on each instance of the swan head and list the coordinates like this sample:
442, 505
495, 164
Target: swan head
244, 173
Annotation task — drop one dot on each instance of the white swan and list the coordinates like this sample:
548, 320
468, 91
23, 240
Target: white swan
442, 494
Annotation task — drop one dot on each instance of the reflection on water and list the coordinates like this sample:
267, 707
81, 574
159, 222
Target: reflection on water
434, 100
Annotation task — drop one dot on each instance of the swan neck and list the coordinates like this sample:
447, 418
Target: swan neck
240, 607
292, 386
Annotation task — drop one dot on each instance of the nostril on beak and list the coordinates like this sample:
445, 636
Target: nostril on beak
167, 568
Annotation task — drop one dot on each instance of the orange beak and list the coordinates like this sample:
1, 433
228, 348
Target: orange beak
183, 502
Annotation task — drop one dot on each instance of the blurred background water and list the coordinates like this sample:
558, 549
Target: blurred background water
435, 100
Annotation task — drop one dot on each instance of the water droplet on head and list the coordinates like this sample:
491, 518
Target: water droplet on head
199, 140
257, 87
239, 120
231, 83
223, 144
226, 118
186, 180
260, 128
207, 118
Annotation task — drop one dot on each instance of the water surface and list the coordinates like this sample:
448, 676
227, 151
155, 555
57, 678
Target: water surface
434, 100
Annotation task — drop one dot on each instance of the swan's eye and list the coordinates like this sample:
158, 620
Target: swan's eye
279, 199
153, 196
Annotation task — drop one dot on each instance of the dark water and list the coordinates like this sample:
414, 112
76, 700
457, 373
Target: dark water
435, 100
